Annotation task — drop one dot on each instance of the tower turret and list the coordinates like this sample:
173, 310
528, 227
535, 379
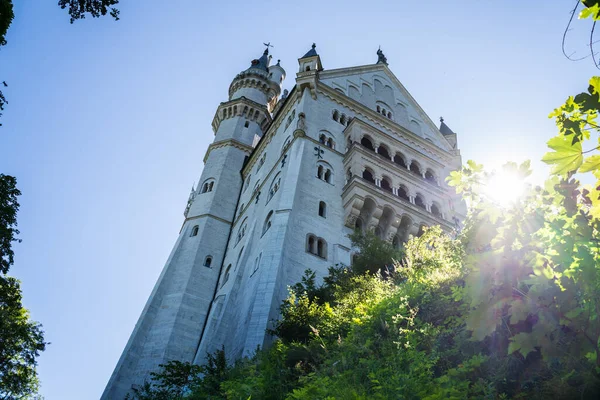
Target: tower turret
172, 322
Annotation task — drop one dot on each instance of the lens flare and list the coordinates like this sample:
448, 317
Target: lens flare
504, 188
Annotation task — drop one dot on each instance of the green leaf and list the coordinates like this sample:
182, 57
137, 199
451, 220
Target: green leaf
522, 342
589, 12
595, 84
591, 163
565, 158
519, 311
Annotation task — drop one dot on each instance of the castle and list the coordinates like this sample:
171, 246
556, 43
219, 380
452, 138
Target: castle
286, 179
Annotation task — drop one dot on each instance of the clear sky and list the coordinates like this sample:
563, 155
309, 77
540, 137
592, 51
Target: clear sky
108, 122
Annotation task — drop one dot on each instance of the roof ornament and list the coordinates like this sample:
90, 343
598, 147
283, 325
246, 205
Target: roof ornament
312, 52
381, 59
268, 45
441, 119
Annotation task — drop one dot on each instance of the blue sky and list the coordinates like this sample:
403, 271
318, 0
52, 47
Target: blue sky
108, 122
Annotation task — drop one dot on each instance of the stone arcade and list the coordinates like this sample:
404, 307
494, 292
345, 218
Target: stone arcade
286, 179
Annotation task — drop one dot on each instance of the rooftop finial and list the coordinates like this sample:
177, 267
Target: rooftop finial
380, 57
268, 45
441, 119
312, 52
314, 45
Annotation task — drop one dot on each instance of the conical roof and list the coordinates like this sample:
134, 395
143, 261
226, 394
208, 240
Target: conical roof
312, 52
445, 129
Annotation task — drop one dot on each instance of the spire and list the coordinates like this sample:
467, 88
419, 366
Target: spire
381, 59
312, 52
444, 129
264, 61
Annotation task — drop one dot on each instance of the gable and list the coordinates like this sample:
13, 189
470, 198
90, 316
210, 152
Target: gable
376, 87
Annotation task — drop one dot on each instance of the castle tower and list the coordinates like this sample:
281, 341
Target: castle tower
173, 320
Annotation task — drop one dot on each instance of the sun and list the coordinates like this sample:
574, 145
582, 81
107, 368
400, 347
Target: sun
504, 188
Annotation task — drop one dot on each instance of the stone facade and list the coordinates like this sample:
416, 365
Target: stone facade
285, 181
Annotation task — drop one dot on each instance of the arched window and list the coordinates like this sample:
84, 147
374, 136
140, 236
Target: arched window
368, 175
245, 112
261, 162
414, 168
274, 187
398, 159
268, 222
322, 138
207, 186
336, 115
226, 276
421, 230
430, 177
386, 185
343, 119
311, 244
330, 143
324, 172
383, 151
358, 225
365, 141
195, 230
241, 231
316, 246
286, 144
321, 248
435, 210
419, 202
246, 124
307, 68
322, 209
208, 261
378, 109
403, 193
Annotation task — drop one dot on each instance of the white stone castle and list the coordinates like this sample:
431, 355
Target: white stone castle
286, 179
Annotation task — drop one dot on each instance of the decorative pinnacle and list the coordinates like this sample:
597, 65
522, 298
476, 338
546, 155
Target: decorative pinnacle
314, 45
268, 45
441, 119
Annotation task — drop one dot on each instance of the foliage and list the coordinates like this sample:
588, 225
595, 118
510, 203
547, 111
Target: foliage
9, 206
21, 341
96, 8
374, 254
6, 17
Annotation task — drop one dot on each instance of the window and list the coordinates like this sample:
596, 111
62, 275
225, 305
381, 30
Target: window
403, 193
330, 143
343, 119
286, 144
365, 141
419, 202
336, 115
368, 175
383, 151
274, 187
316, 246
226, 276
261, 162
195, 230
290, 119
430, 177
386, 185
324, 172
207, 186
322, 209
435, 210
322, 138
208, 261
398, 159
241, 231
246, 124
268, 222
247, 182
414, 168
256, 263
326, 140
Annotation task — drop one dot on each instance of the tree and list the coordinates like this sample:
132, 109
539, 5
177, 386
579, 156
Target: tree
9, 206
21, 340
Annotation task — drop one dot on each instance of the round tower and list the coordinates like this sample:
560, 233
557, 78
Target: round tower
172, 323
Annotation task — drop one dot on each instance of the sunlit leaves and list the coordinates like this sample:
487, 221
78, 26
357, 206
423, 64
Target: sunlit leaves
567, 156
